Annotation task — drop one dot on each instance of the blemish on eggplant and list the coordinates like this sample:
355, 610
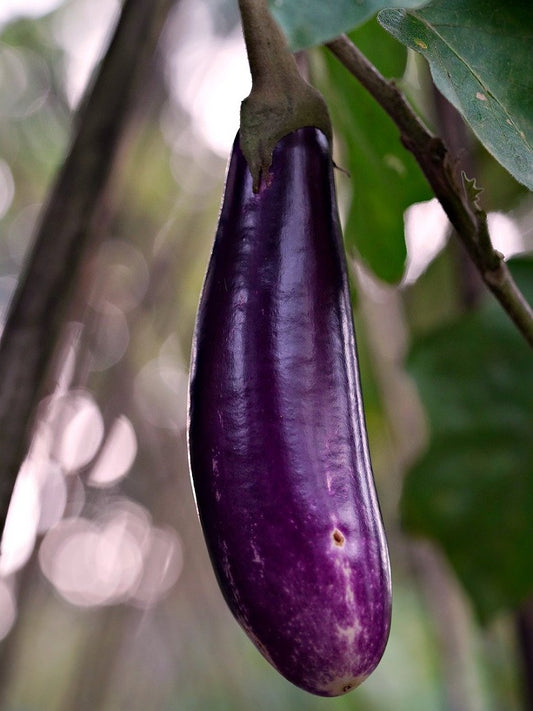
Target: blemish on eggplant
346, 688
338, 538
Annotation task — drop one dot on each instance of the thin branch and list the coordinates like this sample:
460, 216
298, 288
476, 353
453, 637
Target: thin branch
66, 229
458, 200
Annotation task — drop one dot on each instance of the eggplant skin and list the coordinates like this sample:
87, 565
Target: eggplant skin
277, 440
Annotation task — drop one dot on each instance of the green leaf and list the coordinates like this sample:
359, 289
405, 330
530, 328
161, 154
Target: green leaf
472, 491
314, 22
384, 178
479, 52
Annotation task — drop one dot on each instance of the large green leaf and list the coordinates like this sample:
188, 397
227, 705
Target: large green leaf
480, 56
307, 23
472, 491
384, 178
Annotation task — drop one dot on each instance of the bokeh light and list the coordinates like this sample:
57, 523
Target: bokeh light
8, 607
8, 284
163, 563
78, 429
116, 456
52, 497
198, 67
109, 337
505, 234
84, 34
117, 557
160, 392
7, 188
426, 230
20, 531
84, 565
20, 231
120, 276
24, 82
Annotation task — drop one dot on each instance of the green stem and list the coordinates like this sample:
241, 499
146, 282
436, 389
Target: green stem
281, 101
459, 202
269, 56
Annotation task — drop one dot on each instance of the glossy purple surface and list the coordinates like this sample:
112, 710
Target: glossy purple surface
277, 440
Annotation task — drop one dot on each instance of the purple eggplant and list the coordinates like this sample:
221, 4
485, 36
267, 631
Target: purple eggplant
277, 440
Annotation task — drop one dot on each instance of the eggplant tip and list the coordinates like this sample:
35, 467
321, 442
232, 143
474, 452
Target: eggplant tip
343, 685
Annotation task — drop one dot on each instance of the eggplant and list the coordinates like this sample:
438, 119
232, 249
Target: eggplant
277, 440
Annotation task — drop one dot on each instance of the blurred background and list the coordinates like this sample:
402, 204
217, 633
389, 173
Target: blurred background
107, 598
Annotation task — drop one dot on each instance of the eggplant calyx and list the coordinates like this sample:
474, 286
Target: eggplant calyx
281, 101
267, 115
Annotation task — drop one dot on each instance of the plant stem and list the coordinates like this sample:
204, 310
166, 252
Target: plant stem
66, 229
281, 101
459, 203
269, 56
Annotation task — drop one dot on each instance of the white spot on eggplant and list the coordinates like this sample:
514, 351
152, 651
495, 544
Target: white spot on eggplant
257, 558
214, 465
351, 632
345, 570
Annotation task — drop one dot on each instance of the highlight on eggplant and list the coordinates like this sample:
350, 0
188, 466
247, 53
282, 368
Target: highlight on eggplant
277, 439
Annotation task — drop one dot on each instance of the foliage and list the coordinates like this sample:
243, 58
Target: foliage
479, 53
472, 491
375, 158
314, 22
488, 79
